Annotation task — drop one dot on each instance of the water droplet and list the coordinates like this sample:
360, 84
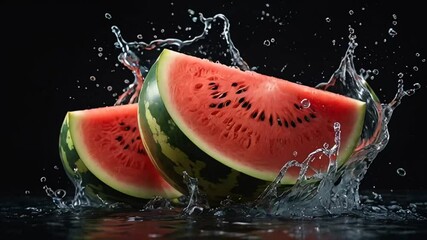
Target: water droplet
375, 71
92, 78
109, 88
267, 43
272, 40
351, 12
108, 16
191, 11
283, 68
139, 36
415, 68
327, 19
295, 153
401, 172
394, 16
392, 32
417, 85
27, 192
394, 23
100, 49
400, 75
60, 193
337, 126
305, 103
56, 167
43, 179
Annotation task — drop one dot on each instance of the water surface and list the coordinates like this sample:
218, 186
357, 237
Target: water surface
398, 215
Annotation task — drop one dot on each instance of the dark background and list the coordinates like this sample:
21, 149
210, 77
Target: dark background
52, 51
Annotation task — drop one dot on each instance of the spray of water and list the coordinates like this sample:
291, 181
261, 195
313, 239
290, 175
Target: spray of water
335, 191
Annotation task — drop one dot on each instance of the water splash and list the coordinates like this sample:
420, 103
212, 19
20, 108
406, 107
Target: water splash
332, 192
196, 202
337, 191
80, 199
130, 59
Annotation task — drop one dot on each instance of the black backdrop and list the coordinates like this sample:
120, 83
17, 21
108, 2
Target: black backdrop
51, 52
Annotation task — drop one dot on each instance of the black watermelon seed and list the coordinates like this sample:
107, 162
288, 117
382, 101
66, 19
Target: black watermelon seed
262, 116
254, 114
241, 90
293, 124
223, 95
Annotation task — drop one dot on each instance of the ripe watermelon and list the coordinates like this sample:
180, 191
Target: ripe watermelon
234, 130
105, 147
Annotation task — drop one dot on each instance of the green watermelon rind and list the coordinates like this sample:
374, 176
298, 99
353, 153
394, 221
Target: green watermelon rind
168, 56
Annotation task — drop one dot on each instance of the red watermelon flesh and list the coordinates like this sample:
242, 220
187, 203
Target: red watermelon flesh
252, 122
108, 141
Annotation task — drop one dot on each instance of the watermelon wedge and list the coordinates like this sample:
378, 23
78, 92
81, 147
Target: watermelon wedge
234, 130
105, 146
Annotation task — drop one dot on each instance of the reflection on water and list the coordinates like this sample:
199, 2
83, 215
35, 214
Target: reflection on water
404, 218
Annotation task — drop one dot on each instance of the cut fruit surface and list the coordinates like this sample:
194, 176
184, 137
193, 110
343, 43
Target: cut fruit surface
246, 121
108, 143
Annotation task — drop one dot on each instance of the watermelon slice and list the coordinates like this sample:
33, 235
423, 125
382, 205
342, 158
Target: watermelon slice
233, 129
105, 145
